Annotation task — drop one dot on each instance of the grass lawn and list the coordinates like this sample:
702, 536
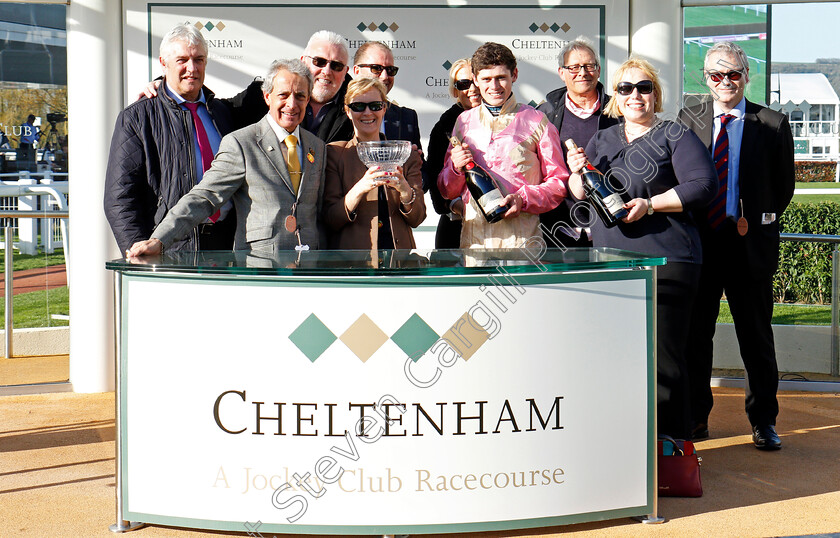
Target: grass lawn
36, 308
33, 261
788, 314
818, 185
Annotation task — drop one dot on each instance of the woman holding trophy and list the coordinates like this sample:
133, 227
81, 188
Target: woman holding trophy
375, 203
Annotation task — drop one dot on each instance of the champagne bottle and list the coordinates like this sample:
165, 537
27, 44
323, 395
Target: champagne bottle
608, 204
483, 189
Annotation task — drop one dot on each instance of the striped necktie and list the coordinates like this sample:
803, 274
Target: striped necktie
717, 209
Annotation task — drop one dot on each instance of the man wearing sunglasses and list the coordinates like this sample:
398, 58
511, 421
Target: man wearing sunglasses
576, 112
374, 59
753, 151
327, 58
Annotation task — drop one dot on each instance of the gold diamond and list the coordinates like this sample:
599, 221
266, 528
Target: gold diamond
364, 337
372, 27
220, 26
394, 27
544, 27
465, 336
199, 25
565, 27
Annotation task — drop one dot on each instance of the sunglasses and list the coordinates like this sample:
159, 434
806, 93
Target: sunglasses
717, 76
374, 106
377, 69
317, 61
626, 88
463, 84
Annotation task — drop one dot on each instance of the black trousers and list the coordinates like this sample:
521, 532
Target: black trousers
750, 296
219, 235
676, 286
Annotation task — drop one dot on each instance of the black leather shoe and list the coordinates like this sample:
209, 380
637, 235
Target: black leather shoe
700, 431
766, 438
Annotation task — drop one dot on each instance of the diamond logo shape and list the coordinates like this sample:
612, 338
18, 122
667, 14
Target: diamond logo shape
554, 27
361, 27
394, 27
220, 26
312, 337
465, 336
544, 27
447, 64
364, 337
534, 27
383, 27
371, 27
415, 337
565, 27
198, 25
209, 26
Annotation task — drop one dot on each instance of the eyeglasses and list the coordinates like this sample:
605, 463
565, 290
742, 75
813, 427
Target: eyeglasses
717, 76
374, 106
377, 69
317, 61
590, 68
626, 88
463, 84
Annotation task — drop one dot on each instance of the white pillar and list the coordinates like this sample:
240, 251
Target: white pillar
656, 35
94, 82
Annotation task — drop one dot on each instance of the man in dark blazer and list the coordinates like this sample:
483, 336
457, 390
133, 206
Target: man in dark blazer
374, 59
740, 237
277, 207
577, 111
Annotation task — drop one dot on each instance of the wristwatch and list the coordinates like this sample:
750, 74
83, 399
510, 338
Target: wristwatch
650, 206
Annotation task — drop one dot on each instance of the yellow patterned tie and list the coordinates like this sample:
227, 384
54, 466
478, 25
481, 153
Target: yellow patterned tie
293, 162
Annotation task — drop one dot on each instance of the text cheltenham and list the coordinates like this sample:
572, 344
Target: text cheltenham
313, 419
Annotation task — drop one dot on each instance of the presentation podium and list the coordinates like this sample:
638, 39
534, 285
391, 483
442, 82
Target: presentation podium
385, 392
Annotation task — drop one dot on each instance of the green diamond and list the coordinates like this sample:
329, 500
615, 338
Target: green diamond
361, 27
415, 337
447, 64
312, 337
554, 27
534, 27
209, 26
383, 27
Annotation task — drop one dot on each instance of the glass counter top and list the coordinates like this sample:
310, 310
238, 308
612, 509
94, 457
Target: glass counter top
386, 262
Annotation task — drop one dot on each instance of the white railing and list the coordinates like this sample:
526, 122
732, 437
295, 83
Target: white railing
26, 232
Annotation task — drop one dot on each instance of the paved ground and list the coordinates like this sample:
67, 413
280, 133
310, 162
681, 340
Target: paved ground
57, 474
54, 276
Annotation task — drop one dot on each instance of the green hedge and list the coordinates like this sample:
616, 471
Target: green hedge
815, 171
804, 274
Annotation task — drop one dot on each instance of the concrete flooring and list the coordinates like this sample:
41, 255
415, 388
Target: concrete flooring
57, 474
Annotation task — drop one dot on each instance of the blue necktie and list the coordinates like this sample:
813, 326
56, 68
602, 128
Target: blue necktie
717, 209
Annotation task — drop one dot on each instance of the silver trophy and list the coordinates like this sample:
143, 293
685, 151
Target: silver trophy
387, 154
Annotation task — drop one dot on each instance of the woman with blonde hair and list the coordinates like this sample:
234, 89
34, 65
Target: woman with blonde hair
665, 172
466, 95
364, 207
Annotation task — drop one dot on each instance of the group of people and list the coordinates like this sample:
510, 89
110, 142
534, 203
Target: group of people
276, 167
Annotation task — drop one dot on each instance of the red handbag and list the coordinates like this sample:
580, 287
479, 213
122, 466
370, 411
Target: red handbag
679, 468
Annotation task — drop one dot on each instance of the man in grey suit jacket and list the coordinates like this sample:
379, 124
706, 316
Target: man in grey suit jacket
274, 210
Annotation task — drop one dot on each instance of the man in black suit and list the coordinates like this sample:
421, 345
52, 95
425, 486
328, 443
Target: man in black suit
753, 153
374, 59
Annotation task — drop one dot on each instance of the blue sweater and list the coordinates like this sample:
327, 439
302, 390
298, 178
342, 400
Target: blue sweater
668, 156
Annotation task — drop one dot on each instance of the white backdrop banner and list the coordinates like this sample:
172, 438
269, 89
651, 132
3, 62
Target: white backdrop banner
426, 38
